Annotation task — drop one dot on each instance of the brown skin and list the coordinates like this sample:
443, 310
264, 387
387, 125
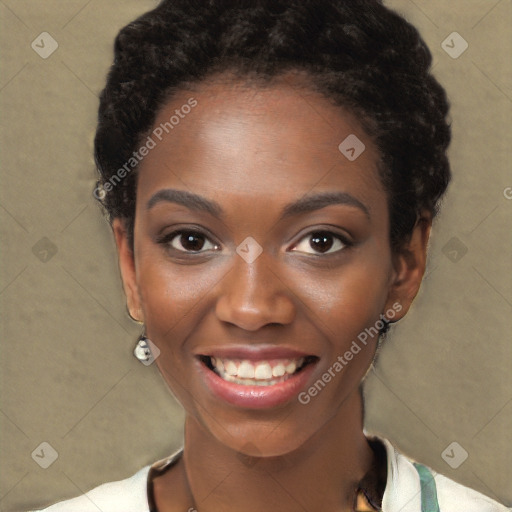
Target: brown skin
254, 151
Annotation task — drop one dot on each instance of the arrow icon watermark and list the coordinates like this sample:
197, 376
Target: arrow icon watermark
249, 249
351, 147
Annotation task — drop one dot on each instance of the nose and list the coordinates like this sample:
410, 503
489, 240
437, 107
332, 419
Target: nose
254, 295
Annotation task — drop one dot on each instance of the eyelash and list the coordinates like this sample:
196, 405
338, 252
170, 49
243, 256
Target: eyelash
167, 239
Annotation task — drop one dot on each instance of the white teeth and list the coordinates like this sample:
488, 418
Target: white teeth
278, 370
230, 368
290, 368
263, 371
260, 374
246, 370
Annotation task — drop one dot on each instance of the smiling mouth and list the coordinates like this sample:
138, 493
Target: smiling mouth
256, 373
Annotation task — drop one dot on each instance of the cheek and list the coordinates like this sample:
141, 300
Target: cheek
347, 299
172, 295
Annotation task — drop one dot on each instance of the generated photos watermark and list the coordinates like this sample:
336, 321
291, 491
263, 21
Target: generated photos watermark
152, 140
342, 360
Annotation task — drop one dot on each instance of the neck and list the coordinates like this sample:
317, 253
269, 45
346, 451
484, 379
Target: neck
321, 474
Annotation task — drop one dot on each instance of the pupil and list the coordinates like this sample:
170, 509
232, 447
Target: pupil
192, 242
322, 241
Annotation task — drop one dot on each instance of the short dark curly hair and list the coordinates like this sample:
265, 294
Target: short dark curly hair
358, 54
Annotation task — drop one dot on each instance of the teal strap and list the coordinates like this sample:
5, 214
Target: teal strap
428, 489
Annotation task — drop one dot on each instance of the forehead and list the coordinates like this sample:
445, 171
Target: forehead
251, 140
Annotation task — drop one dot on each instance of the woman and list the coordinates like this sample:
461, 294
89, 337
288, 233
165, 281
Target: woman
271, 171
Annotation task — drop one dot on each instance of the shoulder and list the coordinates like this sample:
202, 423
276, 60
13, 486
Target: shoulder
128, 495
403, 489
453, 495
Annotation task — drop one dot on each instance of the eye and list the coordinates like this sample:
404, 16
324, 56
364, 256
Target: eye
322, 242
188, 241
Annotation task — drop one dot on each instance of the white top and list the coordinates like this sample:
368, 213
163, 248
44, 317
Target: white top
402, 493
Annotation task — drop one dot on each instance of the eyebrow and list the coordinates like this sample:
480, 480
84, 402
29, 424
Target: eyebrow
190, 200
306, 204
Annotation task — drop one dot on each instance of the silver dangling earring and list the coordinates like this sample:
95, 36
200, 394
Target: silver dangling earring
145, 350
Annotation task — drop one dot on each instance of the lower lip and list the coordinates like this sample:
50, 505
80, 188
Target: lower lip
257, 397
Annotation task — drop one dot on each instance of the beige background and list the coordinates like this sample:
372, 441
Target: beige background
69, 377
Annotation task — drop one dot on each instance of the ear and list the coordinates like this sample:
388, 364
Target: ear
409, 262
127, 267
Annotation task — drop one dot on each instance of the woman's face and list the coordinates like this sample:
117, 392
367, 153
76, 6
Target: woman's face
290, 262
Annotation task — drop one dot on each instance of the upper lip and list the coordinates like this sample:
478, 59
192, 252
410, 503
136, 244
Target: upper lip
253, 352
